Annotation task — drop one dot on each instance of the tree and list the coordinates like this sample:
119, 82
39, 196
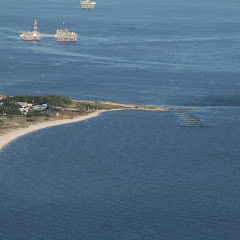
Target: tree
1, 123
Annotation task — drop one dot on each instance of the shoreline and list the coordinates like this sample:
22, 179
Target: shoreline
13, 135
9, 137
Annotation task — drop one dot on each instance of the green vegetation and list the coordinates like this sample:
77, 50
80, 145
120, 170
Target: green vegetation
50, 100
22, 111
30, 120
10, 108
63, 105
95, 105
9, 105
38, 113
1, 123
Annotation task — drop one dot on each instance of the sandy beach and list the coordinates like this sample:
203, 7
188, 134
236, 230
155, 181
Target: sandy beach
13, 135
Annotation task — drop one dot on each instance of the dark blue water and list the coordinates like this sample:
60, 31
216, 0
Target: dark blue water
125, 175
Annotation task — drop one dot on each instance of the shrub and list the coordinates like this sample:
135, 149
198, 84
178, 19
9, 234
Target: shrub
30, 120
50, 100
1, 123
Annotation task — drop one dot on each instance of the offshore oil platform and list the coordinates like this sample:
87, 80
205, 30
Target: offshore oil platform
61, 35
87, 4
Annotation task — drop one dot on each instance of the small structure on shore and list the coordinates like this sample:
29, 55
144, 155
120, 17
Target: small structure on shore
25, 104
40, 107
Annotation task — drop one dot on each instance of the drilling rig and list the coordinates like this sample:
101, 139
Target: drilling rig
61, 35
87, 4
31, 36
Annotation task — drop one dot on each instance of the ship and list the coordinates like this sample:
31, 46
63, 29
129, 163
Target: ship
87, 4
31, 36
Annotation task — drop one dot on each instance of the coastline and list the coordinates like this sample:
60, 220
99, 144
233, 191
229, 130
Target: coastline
13, 135
9, 137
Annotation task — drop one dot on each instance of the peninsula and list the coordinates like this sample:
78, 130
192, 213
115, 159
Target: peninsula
21, 115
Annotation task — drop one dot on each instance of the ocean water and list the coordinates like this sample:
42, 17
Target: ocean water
125, 175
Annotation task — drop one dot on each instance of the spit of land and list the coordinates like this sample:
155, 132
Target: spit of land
21, 115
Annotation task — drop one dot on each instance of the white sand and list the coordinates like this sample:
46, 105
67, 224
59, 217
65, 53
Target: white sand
11, 136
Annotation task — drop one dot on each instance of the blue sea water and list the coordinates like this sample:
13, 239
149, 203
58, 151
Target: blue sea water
125, 175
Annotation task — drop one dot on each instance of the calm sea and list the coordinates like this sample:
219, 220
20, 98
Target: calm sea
125, 175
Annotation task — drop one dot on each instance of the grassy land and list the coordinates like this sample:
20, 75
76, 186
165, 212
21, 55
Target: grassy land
83, 106
58, 108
